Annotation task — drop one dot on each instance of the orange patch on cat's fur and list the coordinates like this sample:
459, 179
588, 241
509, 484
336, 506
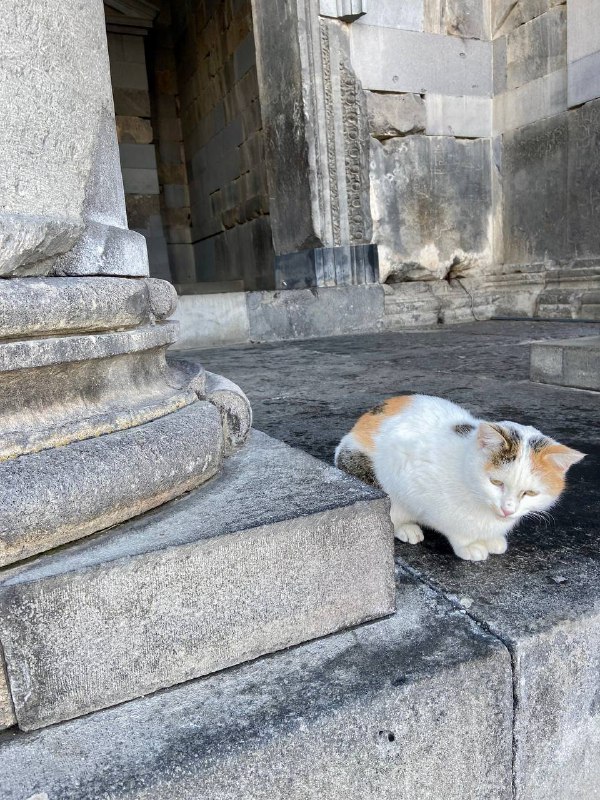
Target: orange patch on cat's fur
552, 475
368, 425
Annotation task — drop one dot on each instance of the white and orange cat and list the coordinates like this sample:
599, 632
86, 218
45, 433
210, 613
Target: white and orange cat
468, 479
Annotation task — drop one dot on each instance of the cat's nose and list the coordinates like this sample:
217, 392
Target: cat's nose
507, 511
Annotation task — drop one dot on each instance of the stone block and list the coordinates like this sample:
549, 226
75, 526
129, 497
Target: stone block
537, 48
309, 313
467, 116
132, 103
465, 18
395, 114
211, 320
244, 57
431, 205
134, 130
128, 75
584, 180
392, 60
584, 79
570, 362
583, 22
137, 156
327, 266
543, 97
140, 181
176, 195
535, 191
215, 580
499, 65
421, 700
507, 15
407, 15
183, 265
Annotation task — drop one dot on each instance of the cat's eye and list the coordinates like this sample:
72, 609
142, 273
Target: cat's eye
495, 482
529, 493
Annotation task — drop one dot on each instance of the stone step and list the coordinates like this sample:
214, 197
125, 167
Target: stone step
567, 362
277, 549
418, 705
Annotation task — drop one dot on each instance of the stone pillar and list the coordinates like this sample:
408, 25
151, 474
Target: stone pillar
95, 427
316, 137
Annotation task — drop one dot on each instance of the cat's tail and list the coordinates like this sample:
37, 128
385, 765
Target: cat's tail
351, 458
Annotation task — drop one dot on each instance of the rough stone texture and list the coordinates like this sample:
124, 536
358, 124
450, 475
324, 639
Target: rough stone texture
508, 14
420, 702
234, 407
568, 362
7, 711
34, 306
431, 205
541, 598
583, 51
306, 313
584, 80
468, 19
469, 117
537, 48
51, 160
407, 15
212, 319
535, 197
90, 485
395, 114
392, 60
583, 180
197, 586
350, 265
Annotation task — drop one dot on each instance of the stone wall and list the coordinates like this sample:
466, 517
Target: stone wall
426, 68
222, 131
137, 145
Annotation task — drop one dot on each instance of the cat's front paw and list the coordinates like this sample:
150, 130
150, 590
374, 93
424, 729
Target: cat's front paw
409, 532
497, 545
476, 551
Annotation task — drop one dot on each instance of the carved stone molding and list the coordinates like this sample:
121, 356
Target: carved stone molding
346, 10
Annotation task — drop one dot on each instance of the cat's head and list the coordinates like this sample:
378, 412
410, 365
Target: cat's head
521, 470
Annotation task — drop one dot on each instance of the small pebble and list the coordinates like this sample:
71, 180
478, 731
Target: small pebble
558, 579
466, 602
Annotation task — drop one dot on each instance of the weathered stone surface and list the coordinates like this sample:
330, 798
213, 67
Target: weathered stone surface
395, 114
89, 485
537, 48
465, 18
583, 22
431, 205
567, 362
584, 79
420, 701
508, 14
34, 306
210, 319
306, 313
213, 580
392, 60
543, 97
234, 407
535, 196
7, 712
350, 265
49, 158
467, 116
584, 180
407, 15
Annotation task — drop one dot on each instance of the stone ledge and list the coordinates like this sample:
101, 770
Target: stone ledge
419, 703
278, 549
567, 362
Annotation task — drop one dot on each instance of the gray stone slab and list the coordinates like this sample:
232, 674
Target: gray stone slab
535, 161
584, 180
431, 203
583, 29
137, 156
216, 579
543, 97
392, 60
465, 18
407, 15
537, 48
507, 15
584, 79
570, 362
419, 703
306, 313
207, 320
466, 116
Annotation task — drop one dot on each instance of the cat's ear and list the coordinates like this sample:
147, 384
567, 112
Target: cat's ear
490, 437
560, 456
